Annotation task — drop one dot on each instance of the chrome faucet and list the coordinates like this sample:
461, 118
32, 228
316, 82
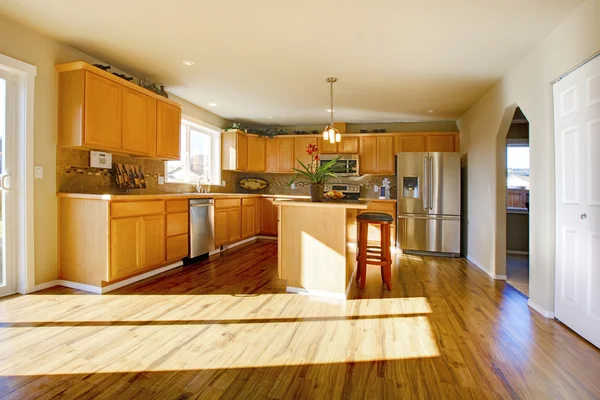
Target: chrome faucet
201, 180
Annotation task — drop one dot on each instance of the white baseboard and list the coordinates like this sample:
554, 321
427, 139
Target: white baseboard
518, 252
316, 293
491, 274
105, 289
539, 309
500, 277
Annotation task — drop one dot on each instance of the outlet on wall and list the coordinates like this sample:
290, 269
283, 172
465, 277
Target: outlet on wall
161, 180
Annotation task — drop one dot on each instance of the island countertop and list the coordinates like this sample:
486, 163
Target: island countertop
351, 204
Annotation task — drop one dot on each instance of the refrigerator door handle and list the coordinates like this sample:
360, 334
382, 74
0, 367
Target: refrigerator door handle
430, 183
425, 185
430, 217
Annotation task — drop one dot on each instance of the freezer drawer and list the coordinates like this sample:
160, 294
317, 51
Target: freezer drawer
418, 234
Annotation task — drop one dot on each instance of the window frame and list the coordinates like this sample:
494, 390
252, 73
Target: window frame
214, 135
516, 143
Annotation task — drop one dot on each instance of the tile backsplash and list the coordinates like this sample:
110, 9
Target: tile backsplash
74, 175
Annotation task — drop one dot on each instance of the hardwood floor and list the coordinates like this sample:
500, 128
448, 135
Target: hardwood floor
225, 328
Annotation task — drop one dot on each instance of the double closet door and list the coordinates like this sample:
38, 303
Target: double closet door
577, 144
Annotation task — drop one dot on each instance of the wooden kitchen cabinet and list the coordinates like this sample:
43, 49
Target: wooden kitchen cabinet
228, 221
248, 216
328, 148
257, 215
300, 145
235, 224
269, 217
377, 155
287, 161
256, 154
234, 151
416, 143
168, 131
348, 145
99, 111
385, 155
138, 123
152, 240
368, 155
102, 116
272, 155
125, 247
441, 143
221, 227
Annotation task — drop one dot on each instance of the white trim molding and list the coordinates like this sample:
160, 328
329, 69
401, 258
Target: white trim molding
518, 252
23, 175
109, 288
540, 310
500, 277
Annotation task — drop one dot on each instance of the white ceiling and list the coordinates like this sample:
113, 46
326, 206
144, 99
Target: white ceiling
395, 59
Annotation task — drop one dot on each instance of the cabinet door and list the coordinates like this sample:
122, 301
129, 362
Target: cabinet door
368, 155
247, 221
348, 145
411, 144
256, 154
272, 155
268, 217
235, 224
328, 148
385, 155
221, 227
102, 126
241, 152
138, 123
257, 215
286, 155
153, 240
168, 131
440, 143
125, 248
300, 145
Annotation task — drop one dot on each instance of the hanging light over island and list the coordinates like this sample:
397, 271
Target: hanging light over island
331, 133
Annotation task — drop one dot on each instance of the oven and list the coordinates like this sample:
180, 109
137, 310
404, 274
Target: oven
346, 165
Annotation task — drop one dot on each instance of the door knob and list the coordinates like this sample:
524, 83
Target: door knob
583, 216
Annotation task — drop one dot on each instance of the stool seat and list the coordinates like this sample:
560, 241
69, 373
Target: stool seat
375, 216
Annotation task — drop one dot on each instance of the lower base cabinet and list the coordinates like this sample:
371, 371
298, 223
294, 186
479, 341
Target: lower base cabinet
269, 216
228, 221
136, 243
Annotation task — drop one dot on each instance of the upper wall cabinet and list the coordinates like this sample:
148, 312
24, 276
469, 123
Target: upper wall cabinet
427, 141
280, 154
348, 145
234, 151
100, 111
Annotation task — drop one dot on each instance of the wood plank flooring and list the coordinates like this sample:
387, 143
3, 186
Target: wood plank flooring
225, 328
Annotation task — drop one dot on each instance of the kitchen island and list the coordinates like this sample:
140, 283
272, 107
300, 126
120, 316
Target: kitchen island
317, 246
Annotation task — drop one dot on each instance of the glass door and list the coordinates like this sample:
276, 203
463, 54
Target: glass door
7, 275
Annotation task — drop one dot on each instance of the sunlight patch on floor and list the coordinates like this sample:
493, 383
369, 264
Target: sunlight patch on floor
94, 349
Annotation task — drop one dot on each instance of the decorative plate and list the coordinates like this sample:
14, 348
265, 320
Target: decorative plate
253, 183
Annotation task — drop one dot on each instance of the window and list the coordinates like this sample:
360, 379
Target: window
517, 176
200, 147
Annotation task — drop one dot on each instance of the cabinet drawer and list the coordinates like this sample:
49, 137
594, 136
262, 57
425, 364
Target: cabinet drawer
247, 202
133, 208
228, 203
381, 206
177, 205
177, 247
177, 224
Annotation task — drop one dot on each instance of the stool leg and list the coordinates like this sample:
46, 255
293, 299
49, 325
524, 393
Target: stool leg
388, 257
362, 257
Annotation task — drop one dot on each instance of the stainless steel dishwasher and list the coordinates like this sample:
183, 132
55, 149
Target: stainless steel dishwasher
202, 239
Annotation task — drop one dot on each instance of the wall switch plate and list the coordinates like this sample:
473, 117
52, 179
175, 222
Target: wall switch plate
293, 186
161, 180
376, 189
39, 172
223, 183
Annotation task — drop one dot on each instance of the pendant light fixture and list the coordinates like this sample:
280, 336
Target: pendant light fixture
331, 133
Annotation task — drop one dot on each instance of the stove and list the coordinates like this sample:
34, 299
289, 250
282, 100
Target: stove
352, 192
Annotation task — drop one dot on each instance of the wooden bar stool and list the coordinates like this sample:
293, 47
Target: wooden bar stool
378, 255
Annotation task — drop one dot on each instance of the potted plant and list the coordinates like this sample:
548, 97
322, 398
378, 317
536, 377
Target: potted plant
317, 175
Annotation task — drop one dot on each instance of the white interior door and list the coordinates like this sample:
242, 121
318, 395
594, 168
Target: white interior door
577, 144
7, 107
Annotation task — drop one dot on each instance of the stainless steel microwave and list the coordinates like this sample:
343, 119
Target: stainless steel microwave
346, 165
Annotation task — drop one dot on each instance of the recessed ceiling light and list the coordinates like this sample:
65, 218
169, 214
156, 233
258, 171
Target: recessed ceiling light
189, 62
212, 104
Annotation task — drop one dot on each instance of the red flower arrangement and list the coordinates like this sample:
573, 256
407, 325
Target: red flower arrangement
315, 173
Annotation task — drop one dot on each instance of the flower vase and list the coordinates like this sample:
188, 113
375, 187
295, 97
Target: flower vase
316, 191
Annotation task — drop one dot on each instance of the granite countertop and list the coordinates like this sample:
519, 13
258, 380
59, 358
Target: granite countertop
356, 204
134, 197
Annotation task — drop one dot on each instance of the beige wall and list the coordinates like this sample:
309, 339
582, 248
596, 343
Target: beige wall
26, 45
484, 129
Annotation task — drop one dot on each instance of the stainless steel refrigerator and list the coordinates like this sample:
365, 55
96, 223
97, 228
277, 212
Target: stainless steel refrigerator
429, 203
